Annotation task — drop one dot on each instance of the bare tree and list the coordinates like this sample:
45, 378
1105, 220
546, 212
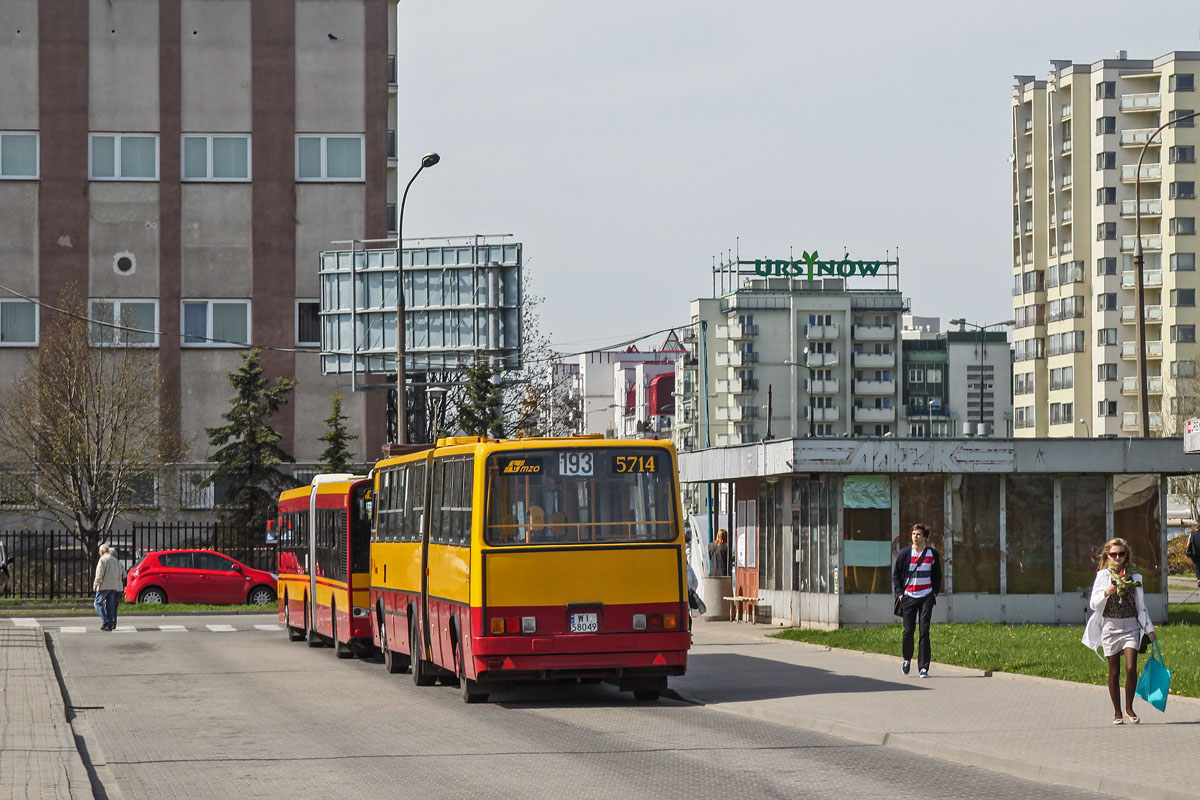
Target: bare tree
1181, 403
82, 430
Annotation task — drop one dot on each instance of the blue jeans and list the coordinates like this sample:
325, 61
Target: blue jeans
106, 606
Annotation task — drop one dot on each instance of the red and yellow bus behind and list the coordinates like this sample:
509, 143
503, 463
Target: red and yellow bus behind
324, 535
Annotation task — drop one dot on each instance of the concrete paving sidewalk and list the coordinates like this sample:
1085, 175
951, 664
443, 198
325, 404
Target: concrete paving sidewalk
1044, 730
38, 756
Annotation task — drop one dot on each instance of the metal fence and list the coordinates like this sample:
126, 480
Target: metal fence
50, 565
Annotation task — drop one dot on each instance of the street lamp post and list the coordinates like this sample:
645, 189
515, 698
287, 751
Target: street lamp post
427, 160
804, 365
982, 340
929, 408
1138, 268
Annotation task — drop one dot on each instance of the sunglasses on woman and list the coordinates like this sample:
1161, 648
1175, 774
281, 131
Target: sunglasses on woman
1117, 553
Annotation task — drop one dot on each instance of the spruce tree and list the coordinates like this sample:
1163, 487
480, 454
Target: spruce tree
479, 411
248, 451
336, 457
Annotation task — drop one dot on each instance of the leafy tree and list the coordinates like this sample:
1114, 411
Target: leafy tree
336, 457
479, 404
84, 428
1181, 404
248, 447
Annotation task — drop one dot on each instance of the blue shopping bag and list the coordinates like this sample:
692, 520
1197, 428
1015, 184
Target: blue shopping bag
1155, 682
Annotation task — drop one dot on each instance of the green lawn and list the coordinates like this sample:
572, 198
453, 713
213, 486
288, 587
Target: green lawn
1044, 650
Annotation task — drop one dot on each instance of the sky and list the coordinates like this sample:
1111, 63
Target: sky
628, 144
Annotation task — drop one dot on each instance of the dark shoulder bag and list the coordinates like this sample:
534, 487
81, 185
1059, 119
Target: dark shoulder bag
900, 597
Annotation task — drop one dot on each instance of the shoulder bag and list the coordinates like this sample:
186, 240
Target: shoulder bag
900, 597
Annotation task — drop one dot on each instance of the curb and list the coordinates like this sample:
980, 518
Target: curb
79, 784
1078, 779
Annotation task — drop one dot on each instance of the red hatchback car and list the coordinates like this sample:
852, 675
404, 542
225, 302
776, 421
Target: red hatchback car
198, 576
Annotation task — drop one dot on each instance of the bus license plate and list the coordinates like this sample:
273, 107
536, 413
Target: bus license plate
585, 623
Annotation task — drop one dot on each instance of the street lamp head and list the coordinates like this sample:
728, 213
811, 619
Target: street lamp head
429, 159
1008, 322
958, 322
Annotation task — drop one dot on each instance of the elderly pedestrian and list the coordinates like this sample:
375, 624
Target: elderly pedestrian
1118, 622
110, 580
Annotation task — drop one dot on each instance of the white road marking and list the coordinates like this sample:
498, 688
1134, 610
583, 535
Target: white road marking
268, 627
172, 628
125, 629
221, 628
22, 622
72, 629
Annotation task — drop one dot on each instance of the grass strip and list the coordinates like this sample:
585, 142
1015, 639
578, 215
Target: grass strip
1047, 651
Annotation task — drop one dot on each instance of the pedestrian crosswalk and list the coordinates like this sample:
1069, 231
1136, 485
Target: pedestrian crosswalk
55, 626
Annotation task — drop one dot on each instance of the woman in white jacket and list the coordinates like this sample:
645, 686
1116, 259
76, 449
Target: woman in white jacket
1118, 621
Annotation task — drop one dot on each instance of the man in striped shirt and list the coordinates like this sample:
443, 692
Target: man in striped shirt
916, 581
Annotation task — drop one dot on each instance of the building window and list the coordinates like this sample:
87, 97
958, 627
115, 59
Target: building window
131, 322
1106, 372
1106, 160
329, 157
1183, 262
123, 157
216, 323
1183, 190
1182, 226
308, 323
1182, 154
1106, 408
1182, 82
1106, 265
18, 323
1183, 333
1106, 125
916, 375
18, 155
1106, 336
1190, 122
1106, 301
216, 157
1106, 230
1183, 369
1106, 90
1106, 196
1183, 298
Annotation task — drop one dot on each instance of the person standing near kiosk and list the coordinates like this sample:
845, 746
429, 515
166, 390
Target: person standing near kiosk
916, 582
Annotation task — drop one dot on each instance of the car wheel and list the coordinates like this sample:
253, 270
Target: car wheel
469, 689
393, 662
294, 634
260, 596
420, 667
340, 648
153, 595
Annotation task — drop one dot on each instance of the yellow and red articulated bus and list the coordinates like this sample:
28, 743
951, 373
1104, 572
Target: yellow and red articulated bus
497, 562
324, 536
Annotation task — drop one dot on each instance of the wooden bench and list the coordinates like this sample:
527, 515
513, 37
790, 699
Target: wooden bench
741, 606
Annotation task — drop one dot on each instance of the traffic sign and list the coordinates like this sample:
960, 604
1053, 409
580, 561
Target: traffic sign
1191, 436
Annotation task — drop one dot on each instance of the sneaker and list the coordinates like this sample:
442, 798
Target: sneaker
924, 673
904, 665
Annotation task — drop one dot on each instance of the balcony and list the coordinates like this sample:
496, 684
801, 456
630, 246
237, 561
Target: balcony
391, 219
1150, 279
1132, 421
1066, 181
1029, 160
1154, 349
391, 145
391, 72
737, 331
1150, 172
821, 414
874, 414
1028, 192
1148, 101
1150, 208
737, 413
737, 385
1066, 248
822, 332
830, 386
874, 359
1029, 226
1029, 126
874, 387
1066, 113
1154, 315
736, 359
731, 439
873, 333
822, 360
1067, 216
1136, 137
1066, 147
690, 335
1154, 385
1150, 241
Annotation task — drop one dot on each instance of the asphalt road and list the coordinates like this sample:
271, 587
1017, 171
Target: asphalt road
205, 712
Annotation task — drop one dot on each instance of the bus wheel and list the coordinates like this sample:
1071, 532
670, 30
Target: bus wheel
294, 634
393, 662
421, 674
646, 695
314, 639
340, 648
471, 693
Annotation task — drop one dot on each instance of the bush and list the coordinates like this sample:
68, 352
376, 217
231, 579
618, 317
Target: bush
1177, 561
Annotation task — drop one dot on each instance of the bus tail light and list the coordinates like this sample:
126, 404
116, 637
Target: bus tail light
670, 621
497, 624
512, 625
639, 622
654, 622
528, 624
359, 612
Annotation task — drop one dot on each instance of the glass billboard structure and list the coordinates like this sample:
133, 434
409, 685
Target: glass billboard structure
462, 295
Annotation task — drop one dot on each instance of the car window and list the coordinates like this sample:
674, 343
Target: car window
175, 560
212, 561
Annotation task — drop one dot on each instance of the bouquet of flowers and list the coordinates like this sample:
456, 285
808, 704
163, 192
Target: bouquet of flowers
1123, 583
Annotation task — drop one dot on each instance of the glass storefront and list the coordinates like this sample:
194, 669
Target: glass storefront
1084, 529
1029, 534
975, 524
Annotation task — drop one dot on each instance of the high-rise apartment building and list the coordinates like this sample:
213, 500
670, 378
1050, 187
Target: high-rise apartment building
183, 163
1077, 137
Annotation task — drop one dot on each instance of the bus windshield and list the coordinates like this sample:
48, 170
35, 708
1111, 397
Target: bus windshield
580, 496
